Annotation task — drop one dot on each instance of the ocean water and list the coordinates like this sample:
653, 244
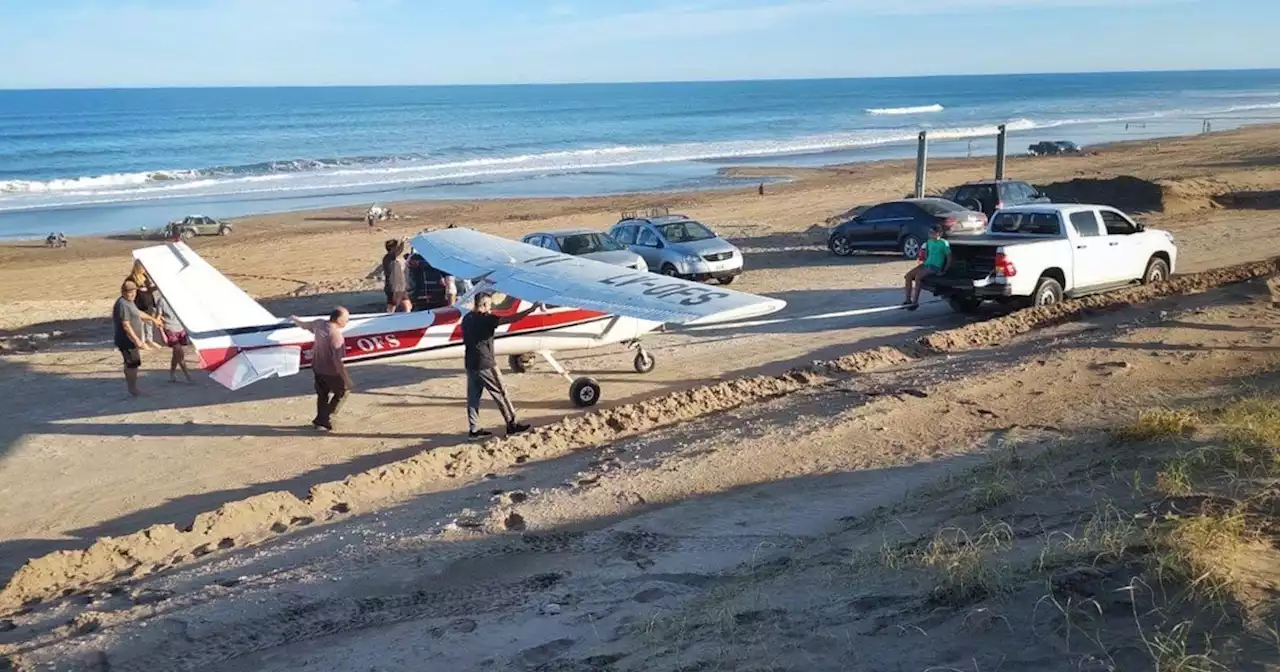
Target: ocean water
97, 161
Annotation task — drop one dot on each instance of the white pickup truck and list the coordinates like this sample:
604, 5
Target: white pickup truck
1040, 254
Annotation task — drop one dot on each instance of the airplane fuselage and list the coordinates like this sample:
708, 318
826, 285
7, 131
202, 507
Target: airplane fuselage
434, 335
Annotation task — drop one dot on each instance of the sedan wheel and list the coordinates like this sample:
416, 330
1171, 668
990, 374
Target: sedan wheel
840, 246
669, 270
911, 247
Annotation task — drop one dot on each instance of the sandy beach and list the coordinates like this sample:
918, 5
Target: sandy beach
80, 461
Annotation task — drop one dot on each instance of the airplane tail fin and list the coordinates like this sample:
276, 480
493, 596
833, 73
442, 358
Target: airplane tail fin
229, 329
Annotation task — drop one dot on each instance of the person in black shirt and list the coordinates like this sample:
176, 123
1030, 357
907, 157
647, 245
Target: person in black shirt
478, 327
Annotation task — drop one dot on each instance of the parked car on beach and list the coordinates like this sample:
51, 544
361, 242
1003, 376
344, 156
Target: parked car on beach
1041, 254
588, 244
1053, 148
903, 226
680, 247
991, 195
196, 225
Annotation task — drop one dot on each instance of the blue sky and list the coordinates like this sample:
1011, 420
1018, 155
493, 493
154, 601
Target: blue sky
87, 43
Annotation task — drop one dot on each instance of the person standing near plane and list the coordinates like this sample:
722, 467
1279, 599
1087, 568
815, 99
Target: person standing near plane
127, 321
478, 328
332, 382
396, 278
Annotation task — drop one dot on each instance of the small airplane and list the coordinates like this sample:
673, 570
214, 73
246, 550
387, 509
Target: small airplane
585, 304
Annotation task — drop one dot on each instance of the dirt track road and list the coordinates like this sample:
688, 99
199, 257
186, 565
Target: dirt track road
624, 541
81, 461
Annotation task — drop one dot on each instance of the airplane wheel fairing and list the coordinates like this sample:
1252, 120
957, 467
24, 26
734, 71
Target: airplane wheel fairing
584, 392
644, 362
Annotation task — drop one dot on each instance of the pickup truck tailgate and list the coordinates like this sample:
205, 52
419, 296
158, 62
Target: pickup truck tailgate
969, 263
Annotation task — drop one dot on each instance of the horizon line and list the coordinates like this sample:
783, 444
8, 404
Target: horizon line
4, 89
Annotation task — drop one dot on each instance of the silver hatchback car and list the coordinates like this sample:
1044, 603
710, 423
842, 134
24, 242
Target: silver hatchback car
589, 244
681, 247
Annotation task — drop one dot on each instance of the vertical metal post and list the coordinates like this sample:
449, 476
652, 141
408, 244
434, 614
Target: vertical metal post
922, 159
1000, 141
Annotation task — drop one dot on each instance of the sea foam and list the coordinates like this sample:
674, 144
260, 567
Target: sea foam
898, 111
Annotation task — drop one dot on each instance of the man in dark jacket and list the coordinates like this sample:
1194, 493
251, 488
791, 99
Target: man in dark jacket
478, 327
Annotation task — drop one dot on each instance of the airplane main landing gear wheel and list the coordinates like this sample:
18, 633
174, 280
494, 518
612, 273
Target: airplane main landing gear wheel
584, 392
644, 361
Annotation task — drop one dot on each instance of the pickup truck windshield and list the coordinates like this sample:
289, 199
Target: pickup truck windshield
1035, 223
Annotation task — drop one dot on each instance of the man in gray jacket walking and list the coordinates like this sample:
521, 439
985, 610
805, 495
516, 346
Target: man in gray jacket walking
478, 327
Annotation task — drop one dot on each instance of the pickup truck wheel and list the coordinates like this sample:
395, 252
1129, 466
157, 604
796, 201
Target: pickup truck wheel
224, 231
1048, 292
188, 234
965, 305
911, 247
840, 246
1157, 271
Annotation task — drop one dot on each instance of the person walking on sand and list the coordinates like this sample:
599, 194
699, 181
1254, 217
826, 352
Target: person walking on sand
395, 278
175, 336
127, 322
332, 382
478, 327
936, 260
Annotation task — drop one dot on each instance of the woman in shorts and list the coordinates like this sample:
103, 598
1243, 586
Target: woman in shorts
175, 336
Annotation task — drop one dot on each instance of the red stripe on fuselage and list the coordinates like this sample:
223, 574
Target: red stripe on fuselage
539, 321
356, 347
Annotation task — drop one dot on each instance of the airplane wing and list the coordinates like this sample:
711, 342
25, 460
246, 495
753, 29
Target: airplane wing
540, 275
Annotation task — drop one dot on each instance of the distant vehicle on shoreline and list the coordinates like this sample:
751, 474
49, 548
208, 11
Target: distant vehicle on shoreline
1053, 148
195, 225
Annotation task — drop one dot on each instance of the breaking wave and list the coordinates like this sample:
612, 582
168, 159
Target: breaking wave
898, 111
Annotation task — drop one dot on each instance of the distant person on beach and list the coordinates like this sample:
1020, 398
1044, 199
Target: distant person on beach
395, 277
478, 327
145, 300
127, 321
175, 336
332, 382
935, 260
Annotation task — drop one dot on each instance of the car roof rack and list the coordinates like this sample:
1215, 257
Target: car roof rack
648, 213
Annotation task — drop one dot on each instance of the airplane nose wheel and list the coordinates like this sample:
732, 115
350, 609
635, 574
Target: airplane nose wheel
644, 361
584, 392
